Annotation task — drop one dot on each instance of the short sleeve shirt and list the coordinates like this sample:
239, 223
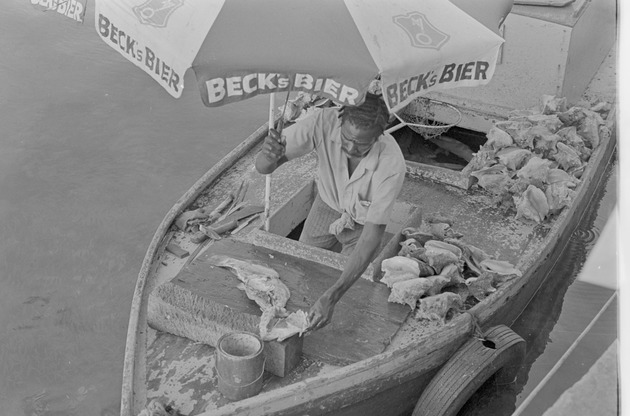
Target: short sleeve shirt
369, 194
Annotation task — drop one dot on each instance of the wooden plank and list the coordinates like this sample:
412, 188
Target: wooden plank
282, 357
177, 251
363, 324
294, 211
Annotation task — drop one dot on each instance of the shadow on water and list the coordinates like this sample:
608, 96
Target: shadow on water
537, 321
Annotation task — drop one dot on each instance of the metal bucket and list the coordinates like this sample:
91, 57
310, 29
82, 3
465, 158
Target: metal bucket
240, 364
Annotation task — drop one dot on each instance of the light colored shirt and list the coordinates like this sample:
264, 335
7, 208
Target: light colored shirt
369, 194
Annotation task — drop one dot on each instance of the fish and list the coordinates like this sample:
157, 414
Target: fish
274, 327
260, 283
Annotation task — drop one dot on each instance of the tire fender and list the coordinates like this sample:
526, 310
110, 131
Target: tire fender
502, 351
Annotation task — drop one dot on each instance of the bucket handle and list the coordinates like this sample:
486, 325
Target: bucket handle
243, 385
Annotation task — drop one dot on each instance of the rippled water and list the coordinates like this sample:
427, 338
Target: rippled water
93, 154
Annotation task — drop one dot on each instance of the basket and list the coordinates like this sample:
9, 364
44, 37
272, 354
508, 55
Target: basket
421, 116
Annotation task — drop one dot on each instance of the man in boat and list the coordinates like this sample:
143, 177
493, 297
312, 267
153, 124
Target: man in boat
360, 173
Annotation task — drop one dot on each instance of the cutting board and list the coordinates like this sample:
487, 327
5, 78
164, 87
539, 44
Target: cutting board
362, 326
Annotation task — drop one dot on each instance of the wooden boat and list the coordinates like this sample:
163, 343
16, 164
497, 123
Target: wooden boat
384, 374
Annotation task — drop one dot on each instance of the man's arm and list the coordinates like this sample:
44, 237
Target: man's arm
321, 312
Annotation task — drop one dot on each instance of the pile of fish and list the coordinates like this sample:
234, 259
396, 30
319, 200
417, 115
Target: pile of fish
533, 161
262, 284
438, 270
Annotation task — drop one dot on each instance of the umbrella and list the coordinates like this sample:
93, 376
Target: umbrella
331, 48
71, 9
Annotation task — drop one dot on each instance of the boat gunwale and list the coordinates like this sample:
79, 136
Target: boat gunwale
458, 328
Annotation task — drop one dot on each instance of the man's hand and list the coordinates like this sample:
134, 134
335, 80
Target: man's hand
274, 146
321, 313
272, 153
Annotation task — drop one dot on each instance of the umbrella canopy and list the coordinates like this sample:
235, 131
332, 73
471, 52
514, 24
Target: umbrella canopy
332, 48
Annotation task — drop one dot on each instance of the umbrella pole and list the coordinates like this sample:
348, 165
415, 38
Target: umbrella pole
272, 105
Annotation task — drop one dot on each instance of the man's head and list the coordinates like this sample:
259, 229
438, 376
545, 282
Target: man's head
362, 125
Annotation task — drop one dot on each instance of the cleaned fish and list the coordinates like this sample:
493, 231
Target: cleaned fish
262, 284
274, 327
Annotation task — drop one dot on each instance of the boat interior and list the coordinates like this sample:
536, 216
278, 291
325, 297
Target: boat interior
183, 289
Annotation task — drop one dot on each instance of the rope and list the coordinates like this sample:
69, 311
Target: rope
476, 329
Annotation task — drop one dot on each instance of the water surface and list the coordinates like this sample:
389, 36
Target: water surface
93, 154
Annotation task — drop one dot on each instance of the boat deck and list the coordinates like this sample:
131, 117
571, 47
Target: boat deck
191, 367
477, 217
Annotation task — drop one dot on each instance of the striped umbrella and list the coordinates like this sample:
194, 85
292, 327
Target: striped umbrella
332, 48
